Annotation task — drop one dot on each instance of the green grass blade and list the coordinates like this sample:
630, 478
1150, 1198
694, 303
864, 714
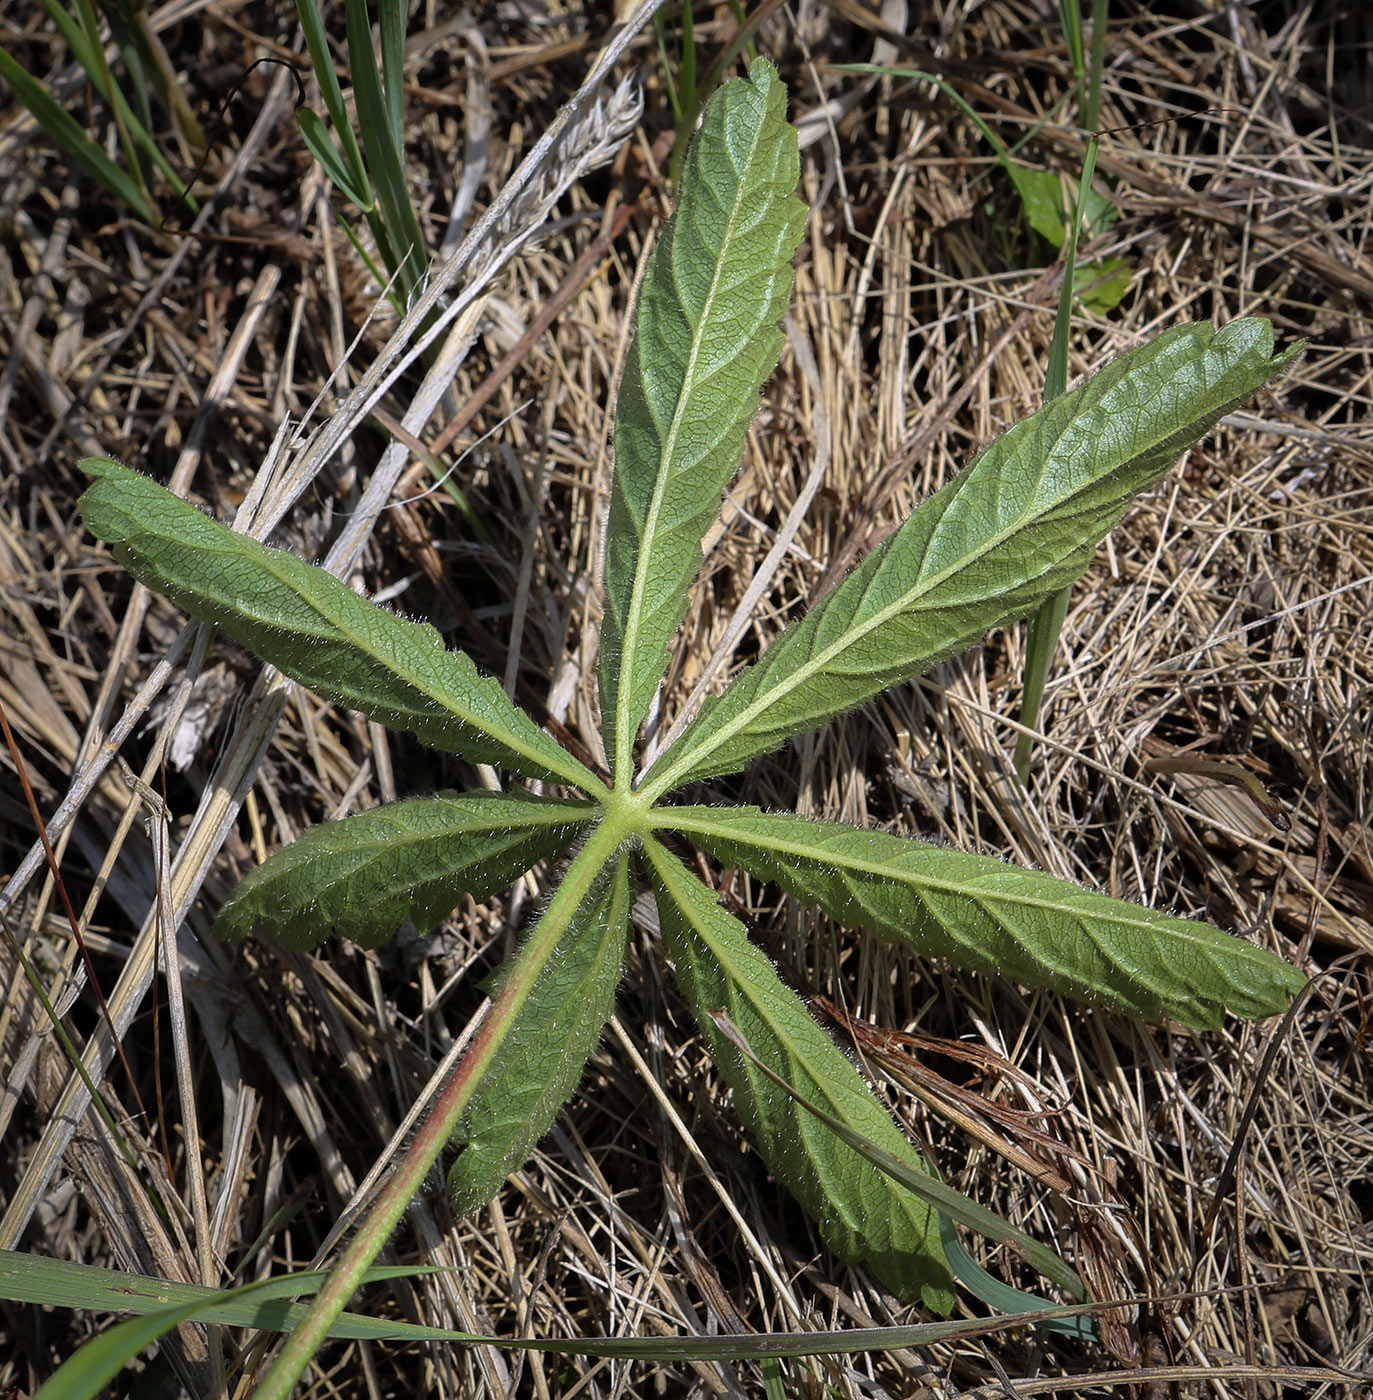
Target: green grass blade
68, 136
1041, 641
716, 286
861, 1212
313, 627
162, 75
86, 55
321, 145
670, 83
1042, 635
322, 61
544, 1056
1021, 522
1070, 21
407, 257
1003, 1296
391, 24
363, 876
1056, 375
102, 79
27, 1278
984, 914
1096, 65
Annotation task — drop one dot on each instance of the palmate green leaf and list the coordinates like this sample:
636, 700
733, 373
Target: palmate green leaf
313, 627
363, 876
861, 1212
993, 917
716, 286
543, 1056
1020, 523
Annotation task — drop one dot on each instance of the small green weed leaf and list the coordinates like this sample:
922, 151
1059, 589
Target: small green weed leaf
1041, 196
363, 876
1020, 523
312, 626
993, 917
716, 286
544, 1054
1100, 286
1100, 213
862, 1213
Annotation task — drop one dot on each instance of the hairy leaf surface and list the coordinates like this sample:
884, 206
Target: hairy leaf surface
716, 286
363, 876
1020, 523
993, 917
314, 628
542, 1059
862, 1213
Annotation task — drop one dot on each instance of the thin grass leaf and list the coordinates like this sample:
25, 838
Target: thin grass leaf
363, 876
102, 79
407, 257
391, 28
358, 187
717, 284
314, 628
993, 917
544, 1056
1041, 635
1002, 1296
160, 1305
321, 145
161, 73
1021, 522
28, 1278
91, 56
862, 1213
64, 131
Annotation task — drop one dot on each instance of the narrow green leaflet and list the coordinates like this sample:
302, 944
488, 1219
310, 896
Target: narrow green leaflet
862, 1213
542, 1059
363, 876
1020, 523
952, 1206
716, 286
313, 627
985, 914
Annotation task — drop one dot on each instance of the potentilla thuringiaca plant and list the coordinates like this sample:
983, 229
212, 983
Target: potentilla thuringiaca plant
1018, 524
